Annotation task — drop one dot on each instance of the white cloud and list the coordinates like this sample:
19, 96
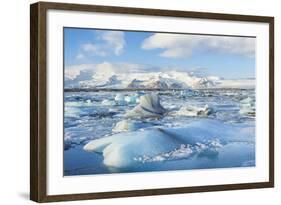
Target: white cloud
115, 39
110, 42
80, 56
180, 46
71, 72
107, 67
111, 68
95, 49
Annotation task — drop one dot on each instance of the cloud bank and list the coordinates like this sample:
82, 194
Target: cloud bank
106, 68
126, 67
182, 46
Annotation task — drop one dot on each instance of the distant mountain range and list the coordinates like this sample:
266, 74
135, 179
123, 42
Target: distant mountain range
109, 79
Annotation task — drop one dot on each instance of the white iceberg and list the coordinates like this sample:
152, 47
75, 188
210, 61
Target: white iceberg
149, 106
70, 111
120, 99
194, 111
131, 99
127, 149
247, 107
247, 100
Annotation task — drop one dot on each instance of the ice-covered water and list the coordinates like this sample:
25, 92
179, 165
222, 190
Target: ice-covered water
103, 115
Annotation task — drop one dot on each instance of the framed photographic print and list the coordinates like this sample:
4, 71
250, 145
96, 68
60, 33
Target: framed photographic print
134, 102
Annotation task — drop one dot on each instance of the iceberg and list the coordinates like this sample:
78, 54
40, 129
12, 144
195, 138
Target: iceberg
194, 111
247, 107
148, 107
131, 99
128, 149
120, 99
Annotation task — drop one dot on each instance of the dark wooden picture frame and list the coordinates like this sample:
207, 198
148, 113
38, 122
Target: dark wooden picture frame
38, 101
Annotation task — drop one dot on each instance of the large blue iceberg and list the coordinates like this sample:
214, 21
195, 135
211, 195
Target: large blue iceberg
128, 149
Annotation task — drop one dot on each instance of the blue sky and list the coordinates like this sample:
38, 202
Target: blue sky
228, 57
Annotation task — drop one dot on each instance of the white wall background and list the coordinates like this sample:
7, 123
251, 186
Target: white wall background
14, 103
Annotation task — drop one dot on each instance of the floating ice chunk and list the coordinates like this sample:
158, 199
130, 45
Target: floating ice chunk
128, 125
120, 149
137, 100
187, 93
131, 99
247, 100
123, 149
247, 111
120, 99
149, 106
195, 111
79, 103
247, 107
71, 111
108, 102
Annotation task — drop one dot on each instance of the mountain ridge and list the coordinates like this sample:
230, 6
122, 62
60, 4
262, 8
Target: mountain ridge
110, 79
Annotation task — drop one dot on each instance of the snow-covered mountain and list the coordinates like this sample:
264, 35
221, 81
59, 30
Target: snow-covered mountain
108, 76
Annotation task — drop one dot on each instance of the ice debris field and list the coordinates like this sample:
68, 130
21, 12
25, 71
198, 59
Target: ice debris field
136, 131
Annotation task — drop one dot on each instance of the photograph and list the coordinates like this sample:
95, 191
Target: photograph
148, 101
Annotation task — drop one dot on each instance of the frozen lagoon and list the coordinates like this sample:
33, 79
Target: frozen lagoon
94, 115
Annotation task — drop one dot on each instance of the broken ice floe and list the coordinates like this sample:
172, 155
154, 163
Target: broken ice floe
247, 107
194, 111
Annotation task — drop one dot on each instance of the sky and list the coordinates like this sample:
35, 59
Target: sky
223, 56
